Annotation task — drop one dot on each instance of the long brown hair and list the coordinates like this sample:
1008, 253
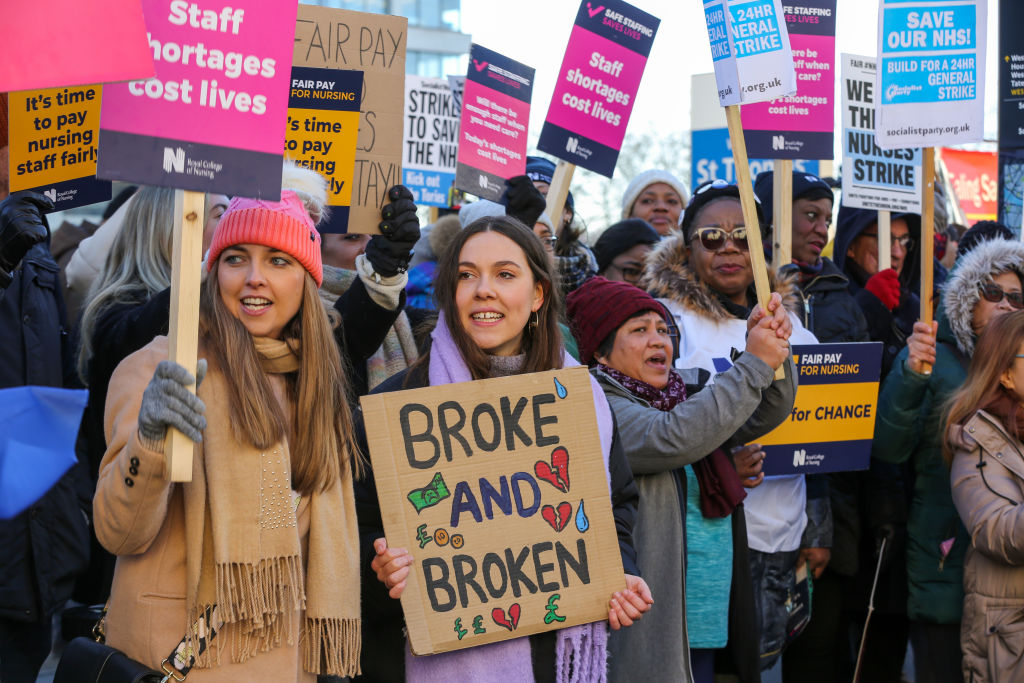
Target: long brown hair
320, 436
542, 343
995, 352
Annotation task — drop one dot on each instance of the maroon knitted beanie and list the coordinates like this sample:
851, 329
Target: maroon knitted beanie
599, 306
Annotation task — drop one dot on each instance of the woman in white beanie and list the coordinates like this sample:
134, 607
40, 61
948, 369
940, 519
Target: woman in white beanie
657, 197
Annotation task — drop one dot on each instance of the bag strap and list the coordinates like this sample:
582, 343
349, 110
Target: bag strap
177, 665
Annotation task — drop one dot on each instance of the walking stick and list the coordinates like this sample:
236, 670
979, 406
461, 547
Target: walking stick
871, 608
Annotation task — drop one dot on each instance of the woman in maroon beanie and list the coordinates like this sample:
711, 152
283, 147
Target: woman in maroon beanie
623, 335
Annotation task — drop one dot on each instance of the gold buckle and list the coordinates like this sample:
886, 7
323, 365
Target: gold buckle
170, 671
99, 629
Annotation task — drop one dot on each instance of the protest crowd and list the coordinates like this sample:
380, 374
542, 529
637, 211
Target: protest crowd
280, 556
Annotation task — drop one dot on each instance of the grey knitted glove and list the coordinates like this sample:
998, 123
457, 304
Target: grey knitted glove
167, 403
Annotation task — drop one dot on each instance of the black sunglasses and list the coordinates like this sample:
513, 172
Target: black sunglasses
994, 293
714, 239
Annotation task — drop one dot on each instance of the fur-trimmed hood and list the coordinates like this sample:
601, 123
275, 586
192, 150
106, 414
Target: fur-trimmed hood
668, 275
960, 293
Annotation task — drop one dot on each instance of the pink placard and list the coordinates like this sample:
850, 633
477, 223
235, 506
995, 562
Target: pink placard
581, 99
221, 75
811, 108
56, 43
496, 142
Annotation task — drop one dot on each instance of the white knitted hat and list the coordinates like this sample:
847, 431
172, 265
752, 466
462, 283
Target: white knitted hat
644, 180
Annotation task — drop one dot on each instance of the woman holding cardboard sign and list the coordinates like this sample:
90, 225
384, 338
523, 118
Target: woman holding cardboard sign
683, 534
249, 571
499, 317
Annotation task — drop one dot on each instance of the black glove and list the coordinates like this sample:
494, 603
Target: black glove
893, 546
390, 251
523, 201
21, 228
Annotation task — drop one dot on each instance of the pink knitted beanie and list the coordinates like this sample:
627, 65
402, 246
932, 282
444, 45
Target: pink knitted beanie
283, 225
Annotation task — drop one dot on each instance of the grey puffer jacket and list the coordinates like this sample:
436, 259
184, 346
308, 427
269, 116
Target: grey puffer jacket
743, 404
988, 490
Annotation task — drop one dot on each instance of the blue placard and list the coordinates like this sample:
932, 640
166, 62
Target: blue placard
711, 158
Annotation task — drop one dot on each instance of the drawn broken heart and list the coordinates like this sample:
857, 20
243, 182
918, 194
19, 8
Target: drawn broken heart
556, 472
558, 518
511, 621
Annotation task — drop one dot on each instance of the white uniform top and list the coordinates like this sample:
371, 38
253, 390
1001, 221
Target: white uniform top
776, 510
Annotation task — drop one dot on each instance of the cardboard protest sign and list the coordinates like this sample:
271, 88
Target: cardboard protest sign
498, 489
495, 117
212, 118
800, 126
930, 53
974, 176
323, 124
597, 84
54, 138
833, 418
873, 178
60, 43
431, 140
711, 151
750, 49
374, 44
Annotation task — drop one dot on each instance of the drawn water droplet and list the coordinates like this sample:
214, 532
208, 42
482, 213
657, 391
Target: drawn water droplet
560, 389
582, 523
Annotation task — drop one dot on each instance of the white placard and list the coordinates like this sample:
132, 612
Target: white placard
931, 72
750, 49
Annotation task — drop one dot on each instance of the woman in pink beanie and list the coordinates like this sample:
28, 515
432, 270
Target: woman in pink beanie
249, 571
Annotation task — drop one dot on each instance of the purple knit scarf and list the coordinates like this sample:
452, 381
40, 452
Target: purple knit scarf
665, 399
581, 652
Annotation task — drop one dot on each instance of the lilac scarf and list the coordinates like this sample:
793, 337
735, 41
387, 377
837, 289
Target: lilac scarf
581, 651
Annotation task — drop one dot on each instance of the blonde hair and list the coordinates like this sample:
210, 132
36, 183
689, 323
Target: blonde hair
138, 265
320, 436
310, 186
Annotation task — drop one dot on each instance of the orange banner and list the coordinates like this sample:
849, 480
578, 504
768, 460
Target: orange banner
975, 179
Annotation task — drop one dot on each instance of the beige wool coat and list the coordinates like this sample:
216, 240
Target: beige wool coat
140, 517
988, 490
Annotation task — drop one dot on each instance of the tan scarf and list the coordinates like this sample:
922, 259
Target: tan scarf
244, 552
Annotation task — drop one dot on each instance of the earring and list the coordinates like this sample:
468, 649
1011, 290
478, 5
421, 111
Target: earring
534, 320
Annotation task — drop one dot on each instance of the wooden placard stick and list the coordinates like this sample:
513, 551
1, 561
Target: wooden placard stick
558, 192
884, 240
183, 337
927, 240
433, 214
746, 186
782, 210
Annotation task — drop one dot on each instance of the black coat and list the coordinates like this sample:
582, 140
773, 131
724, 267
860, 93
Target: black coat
383, 657
47, 545
123, 329
829, 310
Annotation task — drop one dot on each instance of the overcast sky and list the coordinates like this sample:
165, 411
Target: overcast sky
535, 32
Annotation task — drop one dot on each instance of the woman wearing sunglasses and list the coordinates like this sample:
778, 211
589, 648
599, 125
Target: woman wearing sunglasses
985, 285
704, 277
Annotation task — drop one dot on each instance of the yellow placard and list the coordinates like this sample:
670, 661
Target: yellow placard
828, 412
54, 135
